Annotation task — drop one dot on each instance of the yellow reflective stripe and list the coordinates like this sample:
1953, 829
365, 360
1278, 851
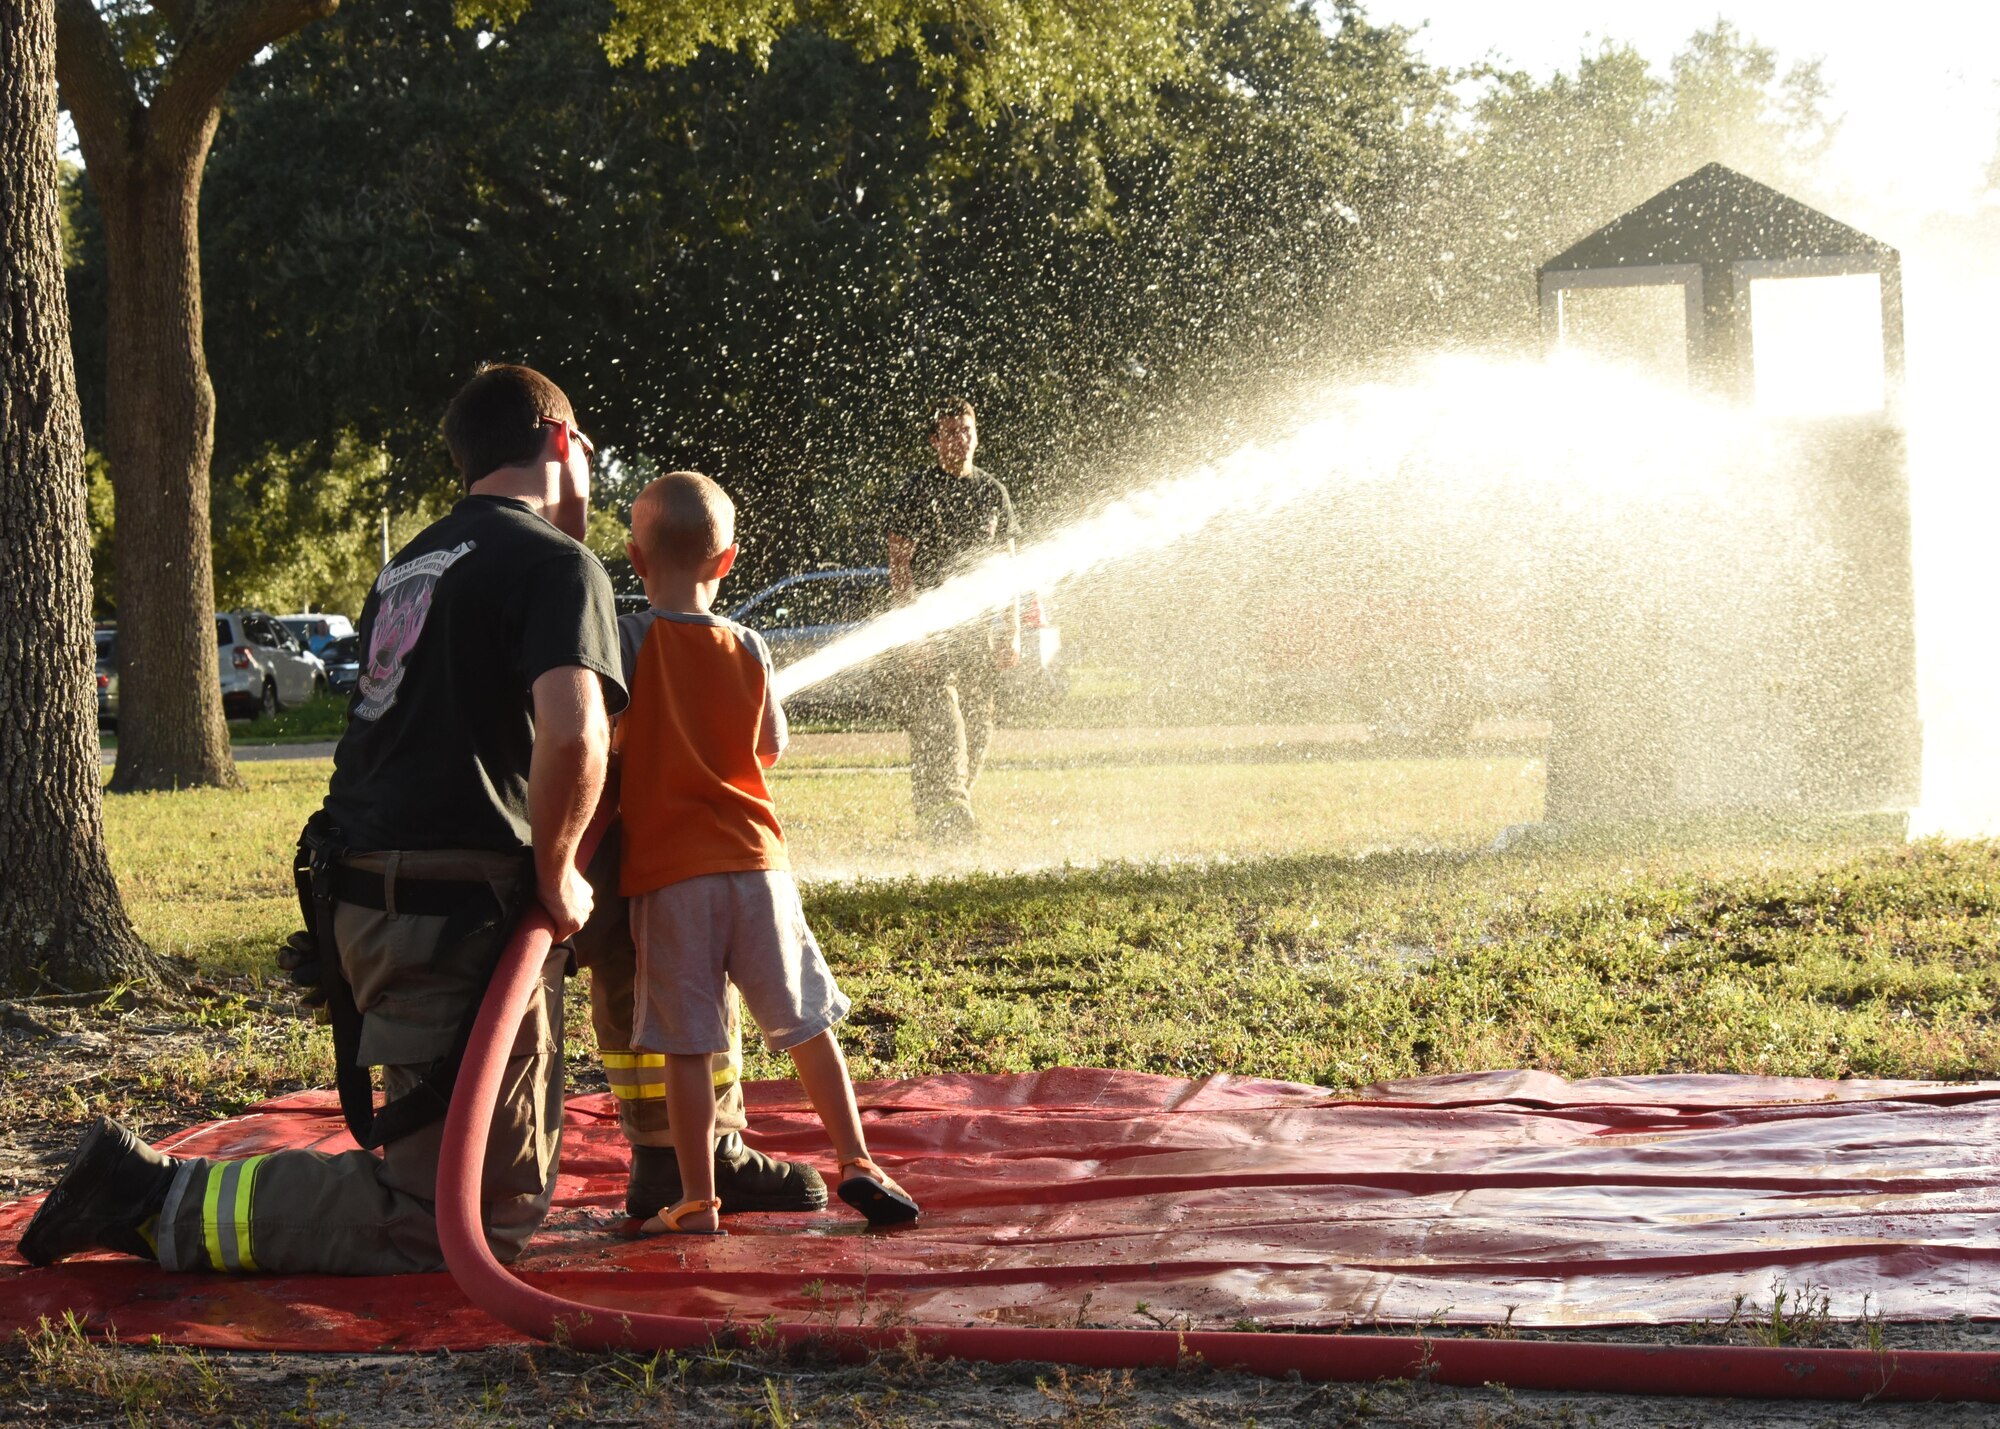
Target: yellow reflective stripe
622, 1060
246, 1185
211, 1223
225, 1213
621, 1070
636, 1076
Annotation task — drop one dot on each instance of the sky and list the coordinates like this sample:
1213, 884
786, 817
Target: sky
1920, 96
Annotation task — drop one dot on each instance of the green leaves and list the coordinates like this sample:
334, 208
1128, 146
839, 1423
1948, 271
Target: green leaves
986, 58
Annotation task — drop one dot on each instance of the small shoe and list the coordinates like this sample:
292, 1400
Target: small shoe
746, 1180
669, 1222
113, 1184
870, 1191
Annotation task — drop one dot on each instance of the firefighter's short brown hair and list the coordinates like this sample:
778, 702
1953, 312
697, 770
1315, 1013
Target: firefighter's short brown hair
496, 419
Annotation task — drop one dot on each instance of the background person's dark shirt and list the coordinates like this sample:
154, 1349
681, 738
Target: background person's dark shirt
953, 522
457, 628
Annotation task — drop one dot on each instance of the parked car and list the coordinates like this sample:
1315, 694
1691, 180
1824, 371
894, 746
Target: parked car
107, 677
317, 631
803, 612
264, 668
343, 664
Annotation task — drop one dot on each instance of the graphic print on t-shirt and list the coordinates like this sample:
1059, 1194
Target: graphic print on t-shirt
405, 603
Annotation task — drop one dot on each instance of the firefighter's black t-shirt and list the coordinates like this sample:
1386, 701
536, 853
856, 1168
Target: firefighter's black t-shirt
953, 522
457, 628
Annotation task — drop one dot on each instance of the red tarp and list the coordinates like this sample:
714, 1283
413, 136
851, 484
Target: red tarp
1074, 1197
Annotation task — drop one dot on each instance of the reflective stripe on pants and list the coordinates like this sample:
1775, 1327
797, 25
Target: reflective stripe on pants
642, 1076
225, 1213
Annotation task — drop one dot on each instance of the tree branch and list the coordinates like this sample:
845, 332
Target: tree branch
174, 12
97, 89
216, 39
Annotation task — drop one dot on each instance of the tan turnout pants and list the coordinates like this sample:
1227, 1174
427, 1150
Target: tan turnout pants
951, 692
372, 1213
639, 1079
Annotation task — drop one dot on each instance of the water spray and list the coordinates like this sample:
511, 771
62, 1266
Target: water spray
1254, 480
1462, 428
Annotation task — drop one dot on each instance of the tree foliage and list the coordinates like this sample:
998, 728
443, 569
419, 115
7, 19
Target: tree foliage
767, 260
1524, 167
769, 265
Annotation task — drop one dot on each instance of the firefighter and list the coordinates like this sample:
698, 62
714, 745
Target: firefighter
474, 757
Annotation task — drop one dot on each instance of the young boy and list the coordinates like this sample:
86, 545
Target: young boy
712, 896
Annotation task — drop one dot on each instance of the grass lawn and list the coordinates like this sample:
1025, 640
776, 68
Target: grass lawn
1357, 928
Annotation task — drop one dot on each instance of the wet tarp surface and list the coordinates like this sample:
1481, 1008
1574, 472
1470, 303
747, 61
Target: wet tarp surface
1075, 1197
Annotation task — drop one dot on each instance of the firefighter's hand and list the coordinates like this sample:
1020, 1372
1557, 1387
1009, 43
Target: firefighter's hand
568, 901
299, 957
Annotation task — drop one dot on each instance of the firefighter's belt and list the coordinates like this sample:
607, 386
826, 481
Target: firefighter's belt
415, 897
324, 883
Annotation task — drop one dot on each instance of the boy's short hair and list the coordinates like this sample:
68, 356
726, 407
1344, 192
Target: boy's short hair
496, 419
947, 409
682, 519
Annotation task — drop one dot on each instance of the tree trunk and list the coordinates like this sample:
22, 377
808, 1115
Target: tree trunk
62, 924
159, 412
145, 136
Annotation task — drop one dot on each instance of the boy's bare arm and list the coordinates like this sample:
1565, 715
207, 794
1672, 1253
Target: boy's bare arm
774, 733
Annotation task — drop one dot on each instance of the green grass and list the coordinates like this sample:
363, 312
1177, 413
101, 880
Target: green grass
207, 873
1816, 960
322, 718
318, 721
1357, 930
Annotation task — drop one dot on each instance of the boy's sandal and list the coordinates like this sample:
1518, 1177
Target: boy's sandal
870, 1191
669, 1222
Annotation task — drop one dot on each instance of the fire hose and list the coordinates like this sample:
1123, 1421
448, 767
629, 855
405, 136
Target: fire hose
1563, 1365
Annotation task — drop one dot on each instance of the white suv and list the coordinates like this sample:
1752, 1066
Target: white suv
264, 668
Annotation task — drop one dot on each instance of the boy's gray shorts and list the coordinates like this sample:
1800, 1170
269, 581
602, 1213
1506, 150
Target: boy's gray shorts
697, 936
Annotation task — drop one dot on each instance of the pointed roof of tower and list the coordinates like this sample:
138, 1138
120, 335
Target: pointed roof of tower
1715, 215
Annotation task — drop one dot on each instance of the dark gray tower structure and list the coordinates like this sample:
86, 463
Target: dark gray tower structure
1660, 707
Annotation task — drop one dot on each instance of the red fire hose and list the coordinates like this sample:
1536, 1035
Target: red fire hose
1578, 1367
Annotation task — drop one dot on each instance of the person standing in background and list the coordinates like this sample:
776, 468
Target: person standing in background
944, 519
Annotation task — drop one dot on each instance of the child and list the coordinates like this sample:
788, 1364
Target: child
712, 897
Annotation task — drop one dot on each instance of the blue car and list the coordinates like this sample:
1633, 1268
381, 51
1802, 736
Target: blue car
343, 664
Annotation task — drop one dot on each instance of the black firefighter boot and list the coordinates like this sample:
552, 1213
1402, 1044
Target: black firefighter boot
114, 1185
746, 1180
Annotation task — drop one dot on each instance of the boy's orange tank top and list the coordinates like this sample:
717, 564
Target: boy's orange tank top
692, 793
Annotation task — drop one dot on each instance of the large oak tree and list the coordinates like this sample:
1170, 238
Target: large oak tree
144, 86
62, 924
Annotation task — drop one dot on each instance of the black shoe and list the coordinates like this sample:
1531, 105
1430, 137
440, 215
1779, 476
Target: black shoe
114, 1183
746, 1180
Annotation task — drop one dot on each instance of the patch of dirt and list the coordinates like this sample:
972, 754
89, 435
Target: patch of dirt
150, 1062
53, 1383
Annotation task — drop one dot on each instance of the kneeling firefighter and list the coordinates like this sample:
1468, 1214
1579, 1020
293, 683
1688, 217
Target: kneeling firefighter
473, 760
